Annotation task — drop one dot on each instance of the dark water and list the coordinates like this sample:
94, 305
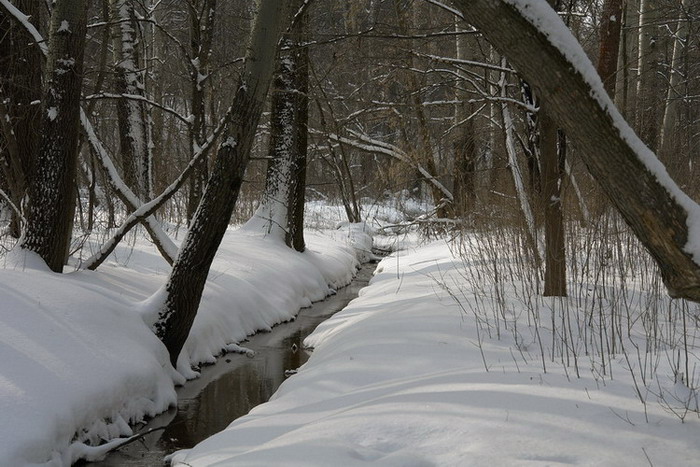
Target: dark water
234, 385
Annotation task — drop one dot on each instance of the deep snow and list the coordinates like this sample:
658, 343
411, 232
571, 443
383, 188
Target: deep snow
79, 361
397, 379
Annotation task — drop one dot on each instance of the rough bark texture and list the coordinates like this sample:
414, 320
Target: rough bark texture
20, 85
297, 196
654, 215
188, 277
52, 189
283, 199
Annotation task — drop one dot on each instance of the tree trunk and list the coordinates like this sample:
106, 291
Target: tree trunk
637, 184
201, 38
647, 70
287, 150
674, 95
188, 277
465, 148
131, 113
610, 22
20, 89
555, 254
52, 189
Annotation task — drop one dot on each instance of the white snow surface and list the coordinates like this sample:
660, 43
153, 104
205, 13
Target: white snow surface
79, 361
397, 379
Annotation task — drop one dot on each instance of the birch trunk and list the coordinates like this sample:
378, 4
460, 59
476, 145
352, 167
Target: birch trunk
131, 113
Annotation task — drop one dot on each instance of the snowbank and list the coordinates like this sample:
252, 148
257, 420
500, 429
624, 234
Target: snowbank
398, 378
79, 363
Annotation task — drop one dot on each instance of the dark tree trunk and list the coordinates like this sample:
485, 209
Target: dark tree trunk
654, 214
52, 188
610, 27
298, 192
188, 277
202, 16
20, 86
281, 210
552, 174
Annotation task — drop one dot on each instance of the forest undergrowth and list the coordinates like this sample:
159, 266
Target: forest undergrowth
617, 320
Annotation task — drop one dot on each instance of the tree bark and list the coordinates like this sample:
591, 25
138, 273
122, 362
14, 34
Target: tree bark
287, 146
52, 189
552, 171
674, 95
131, 113
201, 37
610, 22
647, 114
20, 88
628, 172
188, 276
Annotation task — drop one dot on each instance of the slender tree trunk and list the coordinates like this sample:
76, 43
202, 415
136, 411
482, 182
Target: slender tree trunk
634, 180
516, 173
287, 150
610, 22
647, 68
673, 98
20, 89
552, 171
188, 276
298, 192
465, 148
202, 15
131, 113
52, 189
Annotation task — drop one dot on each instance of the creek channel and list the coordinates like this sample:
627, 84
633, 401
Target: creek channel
233, 385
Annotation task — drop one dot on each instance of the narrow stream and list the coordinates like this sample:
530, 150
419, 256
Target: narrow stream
234, 385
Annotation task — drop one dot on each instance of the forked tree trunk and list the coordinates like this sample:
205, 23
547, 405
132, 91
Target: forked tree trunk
283, 198
188, 276
52, 189
630, 174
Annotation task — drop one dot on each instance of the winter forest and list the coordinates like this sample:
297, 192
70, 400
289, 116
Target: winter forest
311, 233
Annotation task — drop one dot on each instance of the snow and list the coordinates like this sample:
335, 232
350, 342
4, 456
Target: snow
80, 361
52, 113
64, 27
398, 378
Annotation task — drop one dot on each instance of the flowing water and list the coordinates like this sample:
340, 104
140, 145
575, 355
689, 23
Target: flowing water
234, 385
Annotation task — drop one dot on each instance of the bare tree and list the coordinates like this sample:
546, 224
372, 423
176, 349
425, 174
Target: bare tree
636, 183
183, 290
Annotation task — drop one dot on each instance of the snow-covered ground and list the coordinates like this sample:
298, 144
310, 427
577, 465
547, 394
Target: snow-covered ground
405, 376
79, 363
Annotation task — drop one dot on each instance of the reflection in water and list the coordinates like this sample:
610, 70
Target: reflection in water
234, 385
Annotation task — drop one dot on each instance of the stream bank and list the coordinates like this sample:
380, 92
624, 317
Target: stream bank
234, 384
